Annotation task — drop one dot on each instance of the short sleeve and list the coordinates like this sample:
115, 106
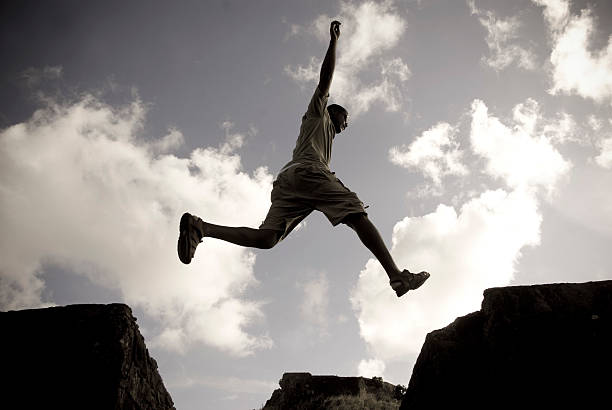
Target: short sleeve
317, 105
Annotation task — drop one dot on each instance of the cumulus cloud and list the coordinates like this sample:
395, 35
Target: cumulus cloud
556, 13
517, 155
601, 139
594, 123
502, 37
82, 189
604, 159
315, 302
371, 368
305, 74
435, 153
563, 129
467, 248
577, 69
171, 141
369, 29
466, 251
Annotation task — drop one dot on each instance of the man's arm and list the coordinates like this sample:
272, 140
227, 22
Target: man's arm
329, 63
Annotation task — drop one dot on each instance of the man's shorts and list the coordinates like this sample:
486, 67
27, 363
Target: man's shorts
303, 188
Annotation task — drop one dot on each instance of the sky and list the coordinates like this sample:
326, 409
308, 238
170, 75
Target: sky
480, 136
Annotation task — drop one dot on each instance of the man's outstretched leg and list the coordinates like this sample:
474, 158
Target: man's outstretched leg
401, 281
193, 229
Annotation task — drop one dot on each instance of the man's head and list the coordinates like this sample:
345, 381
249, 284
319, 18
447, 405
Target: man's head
338, 116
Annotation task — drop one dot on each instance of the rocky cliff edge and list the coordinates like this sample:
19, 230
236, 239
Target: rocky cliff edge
547, 346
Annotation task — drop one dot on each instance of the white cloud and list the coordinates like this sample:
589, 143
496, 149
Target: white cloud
517, 155
314, 306
371, 368
602, 140
577, 69
604, 159
502, 35
368, 30
386, 92
595, 123
171, 141
171, 338
377, 28
396, 67
466, 248
556, 12
81, 189
435, 153
563, 129
305, 74
465, 253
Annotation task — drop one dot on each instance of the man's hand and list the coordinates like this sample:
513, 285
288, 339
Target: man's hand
334, 30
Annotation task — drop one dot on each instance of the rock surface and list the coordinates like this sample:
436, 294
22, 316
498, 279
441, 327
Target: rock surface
303, 391
547, 346
78, 357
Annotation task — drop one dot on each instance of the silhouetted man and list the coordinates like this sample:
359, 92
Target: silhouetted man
305, 184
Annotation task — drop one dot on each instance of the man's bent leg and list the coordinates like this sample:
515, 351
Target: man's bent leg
370, 237
243, 236
401, 281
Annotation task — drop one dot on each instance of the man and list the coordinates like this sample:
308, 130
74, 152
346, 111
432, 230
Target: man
305, 184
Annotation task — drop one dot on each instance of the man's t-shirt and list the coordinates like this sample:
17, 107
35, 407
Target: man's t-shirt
314, 144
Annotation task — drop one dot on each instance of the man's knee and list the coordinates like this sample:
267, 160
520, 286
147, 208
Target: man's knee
353, 219
269, 238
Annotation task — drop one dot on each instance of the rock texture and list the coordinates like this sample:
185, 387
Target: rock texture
78, 357
303, 391
547, 346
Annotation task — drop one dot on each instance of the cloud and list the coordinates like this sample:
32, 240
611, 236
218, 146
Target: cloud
594, 123
305, 74
435, 153
396, 67
80, 188
601, 140
518, 155
369, 30
314, 306
371, 368
604, 159
469, 247
576, 69
466, 251
377, 27
562, 130
556, 13
530, 141
294, 29
171, 141
502, 35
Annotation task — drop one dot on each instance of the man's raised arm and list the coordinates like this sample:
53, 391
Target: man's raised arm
329, 63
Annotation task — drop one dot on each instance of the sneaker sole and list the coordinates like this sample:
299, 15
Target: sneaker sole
183, 241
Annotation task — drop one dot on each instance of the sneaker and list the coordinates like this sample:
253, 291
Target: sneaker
407, 280
190, 237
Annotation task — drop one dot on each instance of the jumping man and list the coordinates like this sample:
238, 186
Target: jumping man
305, 184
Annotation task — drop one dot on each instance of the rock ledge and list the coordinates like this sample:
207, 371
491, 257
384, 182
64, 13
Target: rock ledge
78, 357
303, 391
543, 345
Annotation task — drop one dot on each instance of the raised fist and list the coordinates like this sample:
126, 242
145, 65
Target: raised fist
334, 30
